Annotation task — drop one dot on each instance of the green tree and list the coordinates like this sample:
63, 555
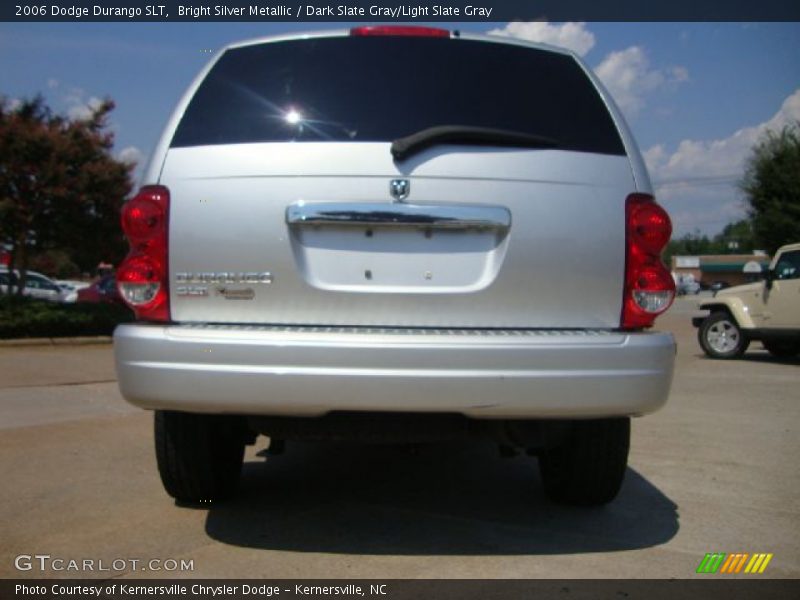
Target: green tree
772, 185
690, 244
60, 188
735, 238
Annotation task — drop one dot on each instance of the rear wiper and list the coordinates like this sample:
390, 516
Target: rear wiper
404, 147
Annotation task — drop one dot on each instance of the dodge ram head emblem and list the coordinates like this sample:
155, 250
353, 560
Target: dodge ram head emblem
400, 189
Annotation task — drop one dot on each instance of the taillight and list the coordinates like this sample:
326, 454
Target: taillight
404, 30
649, 287
142, 278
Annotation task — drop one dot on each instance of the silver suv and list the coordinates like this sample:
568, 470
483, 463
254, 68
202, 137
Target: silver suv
395, 234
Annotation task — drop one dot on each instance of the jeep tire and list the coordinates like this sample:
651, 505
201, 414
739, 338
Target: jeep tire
199, 456
721, 337
588, 467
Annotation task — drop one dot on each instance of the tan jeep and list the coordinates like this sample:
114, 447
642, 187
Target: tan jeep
767, 311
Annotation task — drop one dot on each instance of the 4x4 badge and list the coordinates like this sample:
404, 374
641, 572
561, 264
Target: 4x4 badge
399, 189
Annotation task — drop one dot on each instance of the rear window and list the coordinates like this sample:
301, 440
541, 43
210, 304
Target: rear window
384, 88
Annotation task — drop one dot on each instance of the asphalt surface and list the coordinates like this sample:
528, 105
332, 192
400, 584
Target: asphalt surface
714, 471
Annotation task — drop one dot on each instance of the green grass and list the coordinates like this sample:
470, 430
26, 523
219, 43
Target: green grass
25, 317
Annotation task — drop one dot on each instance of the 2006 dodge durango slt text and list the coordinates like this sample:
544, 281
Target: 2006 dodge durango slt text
395, 234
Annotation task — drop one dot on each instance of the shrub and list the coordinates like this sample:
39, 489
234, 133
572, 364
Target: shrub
25, 317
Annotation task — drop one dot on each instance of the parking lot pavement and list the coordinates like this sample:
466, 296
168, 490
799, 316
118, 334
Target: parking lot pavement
714, 471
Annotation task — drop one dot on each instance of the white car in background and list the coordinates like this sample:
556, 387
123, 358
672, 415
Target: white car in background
71, 289
36, 286
686, 284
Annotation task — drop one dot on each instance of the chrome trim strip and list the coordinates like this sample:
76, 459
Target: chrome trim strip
362, 214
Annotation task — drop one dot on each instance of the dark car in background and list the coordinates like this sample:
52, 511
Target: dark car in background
102, 290
718, 285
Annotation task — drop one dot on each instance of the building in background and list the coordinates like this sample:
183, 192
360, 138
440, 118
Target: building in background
732, 269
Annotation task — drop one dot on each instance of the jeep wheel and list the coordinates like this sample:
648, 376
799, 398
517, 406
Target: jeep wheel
782, 349
199, 456
587, 469
720, 337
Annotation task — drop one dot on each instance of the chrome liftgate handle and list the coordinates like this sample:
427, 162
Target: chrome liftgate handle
421, 216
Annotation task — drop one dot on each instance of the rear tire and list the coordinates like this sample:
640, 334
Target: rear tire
588, 468
199, 456
782, 349
720, 336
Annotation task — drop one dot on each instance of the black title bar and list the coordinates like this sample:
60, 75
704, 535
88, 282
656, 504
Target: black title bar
708, 588
387, 11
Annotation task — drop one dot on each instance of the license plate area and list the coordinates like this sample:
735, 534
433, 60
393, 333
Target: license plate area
398, 259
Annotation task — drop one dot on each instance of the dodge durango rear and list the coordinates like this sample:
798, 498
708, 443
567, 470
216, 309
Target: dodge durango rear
395, 234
